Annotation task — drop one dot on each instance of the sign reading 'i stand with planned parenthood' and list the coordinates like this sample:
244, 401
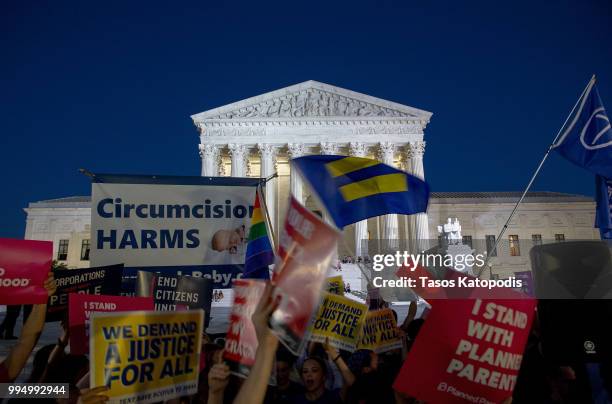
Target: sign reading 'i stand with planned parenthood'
175, 225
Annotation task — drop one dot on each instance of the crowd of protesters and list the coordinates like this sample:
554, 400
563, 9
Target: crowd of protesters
322, 374
348, 259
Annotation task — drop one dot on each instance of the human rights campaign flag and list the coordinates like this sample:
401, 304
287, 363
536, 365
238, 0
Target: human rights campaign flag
355, 188
587, 140
603, 215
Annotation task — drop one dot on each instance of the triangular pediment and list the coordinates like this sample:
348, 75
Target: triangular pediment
312, 99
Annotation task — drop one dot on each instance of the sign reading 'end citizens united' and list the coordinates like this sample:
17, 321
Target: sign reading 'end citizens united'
175, 225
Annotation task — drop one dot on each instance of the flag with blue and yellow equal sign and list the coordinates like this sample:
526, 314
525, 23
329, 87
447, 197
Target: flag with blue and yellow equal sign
259, 254
356, 188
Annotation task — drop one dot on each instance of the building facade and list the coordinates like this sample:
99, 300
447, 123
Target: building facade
258, 136
543, 217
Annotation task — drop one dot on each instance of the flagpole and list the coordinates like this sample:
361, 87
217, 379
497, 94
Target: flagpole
88, 173
262, 198
533, 177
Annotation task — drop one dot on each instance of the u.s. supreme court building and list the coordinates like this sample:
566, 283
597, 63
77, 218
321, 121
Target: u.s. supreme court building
257, 137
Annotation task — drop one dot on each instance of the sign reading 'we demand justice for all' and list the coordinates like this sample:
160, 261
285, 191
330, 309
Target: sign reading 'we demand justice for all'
146, 356
339, 320
380, 333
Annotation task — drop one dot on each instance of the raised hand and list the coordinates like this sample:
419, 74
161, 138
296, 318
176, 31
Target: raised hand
49, 284
93, 396
266, 306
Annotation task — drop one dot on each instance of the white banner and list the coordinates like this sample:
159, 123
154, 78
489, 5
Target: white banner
186, 225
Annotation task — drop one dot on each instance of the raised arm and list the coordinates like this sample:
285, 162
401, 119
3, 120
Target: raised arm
254, 388
412, 311
19, 354
347, 375
218, 378
58, 352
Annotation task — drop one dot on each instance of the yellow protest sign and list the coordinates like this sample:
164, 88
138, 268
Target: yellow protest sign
339, 319
145, 356
335, 285
380, 333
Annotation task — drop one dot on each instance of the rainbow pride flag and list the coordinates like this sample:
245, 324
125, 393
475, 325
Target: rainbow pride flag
259, 252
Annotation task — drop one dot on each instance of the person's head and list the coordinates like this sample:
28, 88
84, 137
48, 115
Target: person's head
284, 361
69, 369
359, 362
212, 353
313, 375
228, 240
40, 363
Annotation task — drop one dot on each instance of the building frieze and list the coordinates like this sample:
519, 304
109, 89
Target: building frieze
228, 130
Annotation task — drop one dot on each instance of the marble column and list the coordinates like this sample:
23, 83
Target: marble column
329, 148
268, 167
358, 149
296, 150
421, 222
390, 227
209, 153
239, 153
409, 220
221, 168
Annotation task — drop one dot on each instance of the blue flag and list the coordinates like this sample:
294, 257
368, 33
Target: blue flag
355, 188
603, 215
587, 140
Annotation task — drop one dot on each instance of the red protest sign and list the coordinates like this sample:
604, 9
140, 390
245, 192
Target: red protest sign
24, 265
241, 339
305, 251
467, 351
80, 307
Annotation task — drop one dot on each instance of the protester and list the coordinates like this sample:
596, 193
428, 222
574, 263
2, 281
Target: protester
314, 372
13, 364
254, 388
286, 389
7, 328
323, 375
93, 396
218, 379
40, 362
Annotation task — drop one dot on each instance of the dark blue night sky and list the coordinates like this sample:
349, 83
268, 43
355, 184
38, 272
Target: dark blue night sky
110, 85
